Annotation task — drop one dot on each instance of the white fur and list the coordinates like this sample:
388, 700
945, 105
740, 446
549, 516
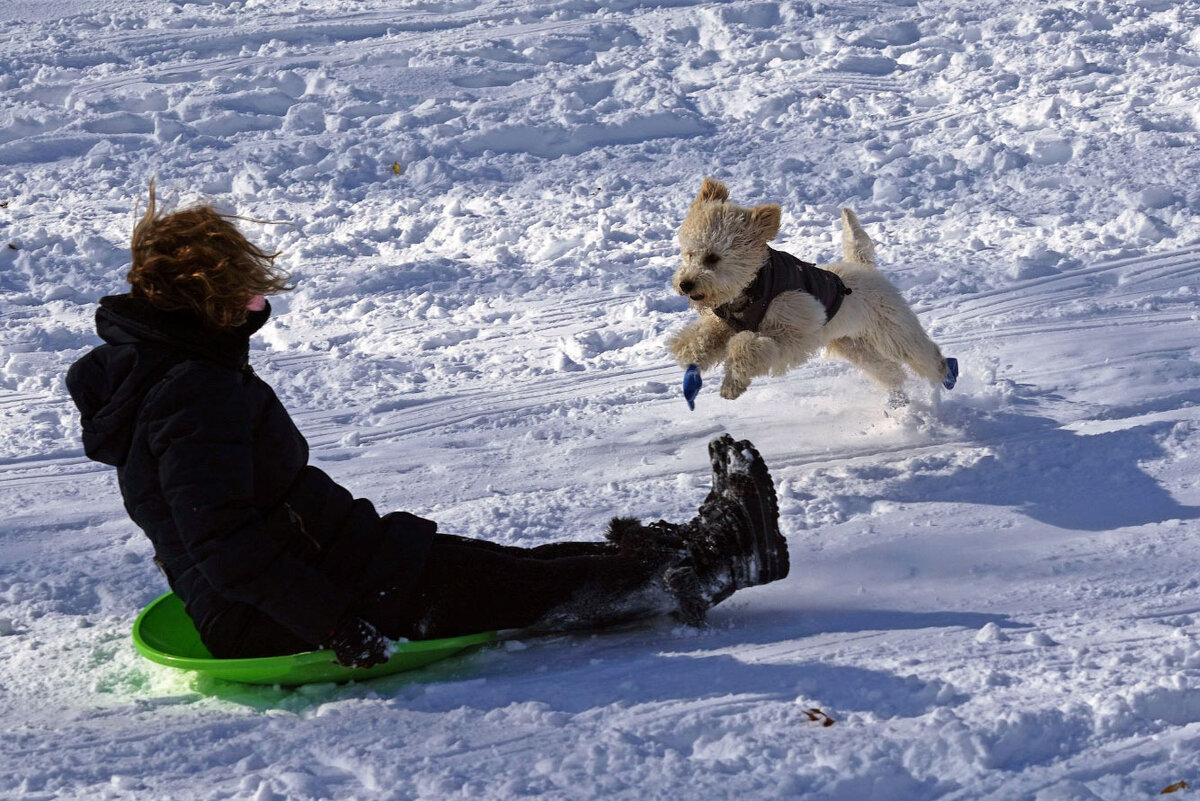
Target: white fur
723, 245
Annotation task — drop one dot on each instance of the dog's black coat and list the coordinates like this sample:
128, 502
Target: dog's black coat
781, 273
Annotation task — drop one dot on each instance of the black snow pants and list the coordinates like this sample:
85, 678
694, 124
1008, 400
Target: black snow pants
470, 585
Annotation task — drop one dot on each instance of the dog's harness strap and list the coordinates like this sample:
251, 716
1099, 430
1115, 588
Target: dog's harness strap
782, 272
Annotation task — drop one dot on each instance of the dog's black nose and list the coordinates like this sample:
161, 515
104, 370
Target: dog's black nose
687, 286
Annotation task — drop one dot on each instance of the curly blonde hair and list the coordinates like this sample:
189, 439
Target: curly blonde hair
197, 259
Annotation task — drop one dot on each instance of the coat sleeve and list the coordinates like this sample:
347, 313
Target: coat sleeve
201, 433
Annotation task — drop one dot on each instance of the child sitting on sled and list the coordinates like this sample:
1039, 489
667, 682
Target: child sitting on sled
271, 556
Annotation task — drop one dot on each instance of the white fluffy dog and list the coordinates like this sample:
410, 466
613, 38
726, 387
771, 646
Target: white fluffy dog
763, 311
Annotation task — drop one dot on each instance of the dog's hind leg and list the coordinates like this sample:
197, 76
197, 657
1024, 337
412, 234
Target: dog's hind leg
929, 363
863, 355
856, 245
910, 344
898, 336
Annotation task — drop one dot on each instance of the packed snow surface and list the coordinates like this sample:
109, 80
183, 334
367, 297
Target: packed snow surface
995, 592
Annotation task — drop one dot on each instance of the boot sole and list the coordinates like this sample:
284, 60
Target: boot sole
743, 470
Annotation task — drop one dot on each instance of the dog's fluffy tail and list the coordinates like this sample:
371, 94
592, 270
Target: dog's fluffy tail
856, 245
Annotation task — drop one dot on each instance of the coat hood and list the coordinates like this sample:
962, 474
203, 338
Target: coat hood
142, 344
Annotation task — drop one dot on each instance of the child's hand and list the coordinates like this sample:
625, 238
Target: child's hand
691, 385
357, 644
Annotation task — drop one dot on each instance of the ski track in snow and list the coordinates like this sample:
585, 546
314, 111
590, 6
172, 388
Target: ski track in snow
994, 592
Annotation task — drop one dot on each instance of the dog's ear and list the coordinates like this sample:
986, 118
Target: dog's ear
765, 220
712, 189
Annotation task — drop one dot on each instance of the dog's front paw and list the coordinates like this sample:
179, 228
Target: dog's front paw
686, 350
682, 350
732, 388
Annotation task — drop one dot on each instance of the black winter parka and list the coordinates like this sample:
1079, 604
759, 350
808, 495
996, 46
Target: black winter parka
214, 471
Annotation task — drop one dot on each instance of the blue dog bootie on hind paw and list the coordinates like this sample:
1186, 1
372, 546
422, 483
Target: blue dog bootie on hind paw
691, 385
951, 377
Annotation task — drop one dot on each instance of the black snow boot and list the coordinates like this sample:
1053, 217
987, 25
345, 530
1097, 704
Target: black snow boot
734, 542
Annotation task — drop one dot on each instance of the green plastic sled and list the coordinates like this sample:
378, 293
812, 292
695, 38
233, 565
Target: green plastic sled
164, 633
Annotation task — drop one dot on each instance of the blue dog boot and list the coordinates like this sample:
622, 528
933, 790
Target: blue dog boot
691, 385
951, 376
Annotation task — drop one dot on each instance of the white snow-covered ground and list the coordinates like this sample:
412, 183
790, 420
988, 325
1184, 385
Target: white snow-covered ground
996, 593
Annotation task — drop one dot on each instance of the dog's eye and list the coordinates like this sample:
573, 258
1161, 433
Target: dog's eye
710, 259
